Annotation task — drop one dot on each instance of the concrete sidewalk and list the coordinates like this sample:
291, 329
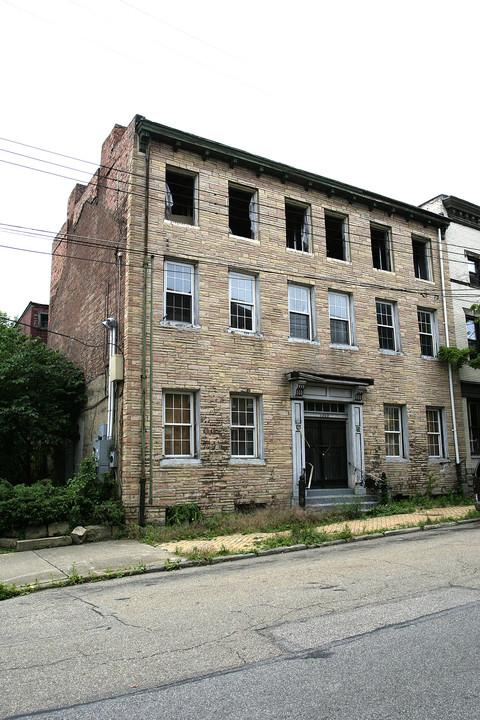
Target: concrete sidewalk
55, 565
110, 558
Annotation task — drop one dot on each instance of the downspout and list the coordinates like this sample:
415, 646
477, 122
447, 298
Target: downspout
111, 383
141, 508
150, 428
447, 343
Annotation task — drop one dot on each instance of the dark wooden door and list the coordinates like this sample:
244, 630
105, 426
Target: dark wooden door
326, 450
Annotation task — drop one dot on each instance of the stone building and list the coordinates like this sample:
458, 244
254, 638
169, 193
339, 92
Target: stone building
463, 246
271, 322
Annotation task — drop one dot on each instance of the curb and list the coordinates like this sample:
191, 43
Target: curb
98, 576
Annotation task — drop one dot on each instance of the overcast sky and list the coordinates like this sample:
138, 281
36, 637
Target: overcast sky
380, 95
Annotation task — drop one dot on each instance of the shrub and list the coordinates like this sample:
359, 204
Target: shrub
85, 499
185, 513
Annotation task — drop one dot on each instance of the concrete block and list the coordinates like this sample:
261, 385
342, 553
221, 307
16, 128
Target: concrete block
45, 542
57, 528
78, 535
98, 532
36, 531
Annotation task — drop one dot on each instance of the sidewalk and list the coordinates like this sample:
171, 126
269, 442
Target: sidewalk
115, 558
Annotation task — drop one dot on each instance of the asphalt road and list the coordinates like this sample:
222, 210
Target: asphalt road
379, 630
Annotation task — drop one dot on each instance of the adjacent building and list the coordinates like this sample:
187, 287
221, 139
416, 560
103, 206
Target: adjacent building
34, 321
463, 246
242, 322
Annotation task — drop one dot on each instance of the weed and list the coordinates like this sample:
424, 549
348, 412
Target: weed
9, 591
175, 565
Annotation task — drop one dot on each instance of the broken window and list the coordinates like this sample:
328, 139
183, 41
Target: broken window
242, 212
297, 226
336, 236
422, 259
180, 197
474, 270
381, 248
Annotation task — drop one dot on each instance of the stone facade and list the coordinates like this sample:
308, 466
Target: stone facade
248, 300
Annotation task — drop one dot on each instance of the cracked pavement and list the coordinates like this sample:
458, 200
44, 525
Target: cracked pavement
82, 643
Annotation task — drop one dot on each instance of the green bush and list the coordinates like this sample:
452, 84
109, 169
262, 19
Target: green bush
84, 500
185, 513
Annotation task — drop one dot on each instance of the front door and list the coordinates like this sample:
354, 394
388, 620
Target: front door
326, 450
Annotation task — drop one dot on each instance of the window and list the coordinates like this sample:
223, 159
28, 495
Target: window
474, 426
386, 325
427, 327
473, 332
435, 433
340, 324
180, 192
242, 212
422, 258
40, 319
244, 426
178, 292
242, 301
178, 424
381, 248
474, 270
297, 226
299, 311
336, 235
395, 431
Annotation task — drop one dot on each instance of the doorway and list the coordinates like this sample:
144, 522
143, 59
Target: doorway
326, 450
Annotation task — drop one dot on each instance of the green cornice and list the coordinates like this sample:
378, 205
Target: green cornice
147, 129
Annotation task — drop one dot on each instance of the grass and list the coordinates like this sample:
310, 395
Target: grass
302, 523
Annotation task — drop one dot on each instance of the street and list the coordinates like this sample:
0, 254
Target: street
385, 629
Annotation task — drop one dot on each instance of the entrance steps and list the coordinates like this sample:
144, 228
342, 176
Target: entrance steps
331, 497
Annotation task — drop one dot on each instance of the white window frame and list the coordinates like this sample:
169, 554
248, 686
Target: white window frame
254, 304
399, 414
252, 211
395, 326
306, 233
434, 331
349, 319
438, 433
174, 217
292, 309
427, 257
254, 427
345, 235
191, 270
191, 424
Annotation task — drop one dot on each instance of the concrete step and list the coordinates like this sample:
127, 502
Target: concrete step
320, 499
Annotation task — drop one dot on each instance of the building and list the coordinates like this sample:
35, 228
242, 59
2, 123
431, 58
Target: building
259, 322
463, 247
34, 321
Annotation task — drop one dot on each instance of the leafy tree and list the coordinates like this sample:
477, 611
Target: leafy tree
41, 393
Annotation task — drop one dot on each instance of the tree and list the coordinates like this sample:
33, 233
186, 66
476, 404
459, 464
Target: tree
41, 394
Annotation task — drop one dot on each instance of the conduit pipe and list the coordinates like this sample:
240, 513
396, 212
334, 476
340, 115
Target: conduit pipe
447, 343
111, 325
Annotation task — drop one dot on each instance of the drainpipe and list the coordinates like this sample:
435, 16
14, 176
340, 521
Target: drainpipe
447, 343
150, 429
111, 325
141, 508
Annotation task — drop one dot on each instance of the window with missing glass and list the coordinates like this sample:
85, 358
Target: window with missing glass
422, 258
297, 226
242, 212
381, 243
336, 236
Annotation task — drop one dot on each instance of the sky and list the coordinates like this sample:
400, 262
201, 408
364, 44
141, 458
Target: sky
380, 95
